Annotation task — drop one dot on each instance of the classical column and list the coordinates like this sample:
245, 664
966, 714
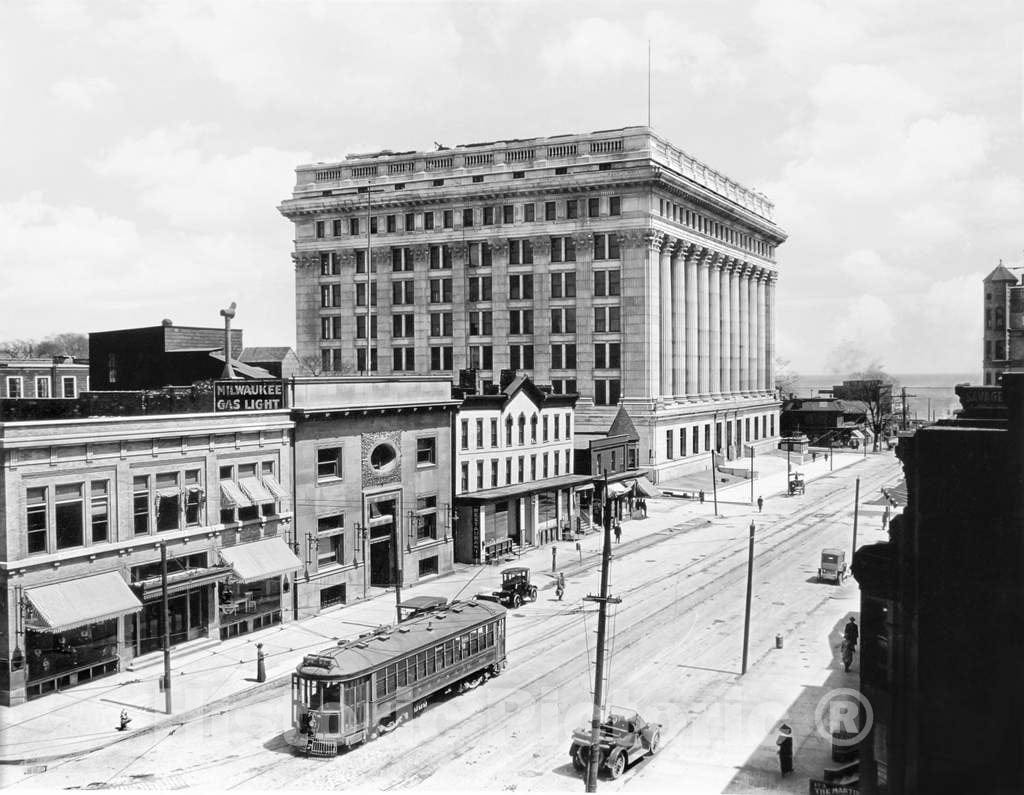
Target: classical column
762, 334
665, 306
641, 332
714, 320
769, 327
744, 347
691, 323
724, 275
703, 328
752, 339
734, 327
679, 320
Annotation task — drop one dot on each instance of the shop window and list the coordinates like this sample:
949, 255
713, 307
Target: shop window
332, 595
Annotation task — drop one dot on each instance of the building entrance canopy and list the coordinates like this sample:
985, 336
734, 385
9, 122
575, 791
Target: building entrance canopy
75, 603
260, 560
522, 489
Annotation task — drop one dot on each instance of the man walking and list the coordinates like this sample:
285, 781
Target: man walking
760, 503
785, 743
852, 633
618, 532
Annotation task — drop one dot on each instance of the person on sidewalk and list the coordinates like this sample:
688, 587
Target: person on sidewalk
618, 532
852, 633
785, 743
760, 503
560, 586
700, 495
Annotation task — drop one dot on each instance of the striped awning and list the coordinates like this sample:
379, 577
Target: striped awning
260, 560
616, 489
231, 495
255, 490
645, 488
274, 487
75, 603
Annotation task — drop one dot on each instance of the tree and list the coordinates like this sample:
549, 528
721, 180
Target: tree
66, 344
312, 364
873, 388
786, 379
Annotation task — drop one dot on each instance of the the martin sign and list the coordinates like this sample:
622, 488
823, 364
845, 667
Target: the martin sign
248, 395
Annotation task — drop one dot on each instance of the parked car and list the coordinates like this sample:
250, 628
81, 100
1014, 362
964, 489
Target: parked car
625, 738
833, 565
515, 588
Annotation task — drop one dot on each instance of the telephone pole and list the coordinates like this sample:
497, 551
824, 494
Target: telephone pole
602, 620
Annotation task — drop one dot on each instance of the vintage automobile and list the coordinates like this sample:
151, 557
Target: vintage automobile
833, 565
515, 588
625, 738
796, 483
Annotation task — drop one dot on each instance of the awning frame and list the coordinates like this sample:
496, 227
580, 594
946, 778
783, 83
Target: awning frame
49, 615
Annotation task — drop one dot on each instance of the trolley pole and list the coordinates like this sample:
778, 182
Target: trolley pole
750, 585
166, 621
856, 505
714, 481
602, 620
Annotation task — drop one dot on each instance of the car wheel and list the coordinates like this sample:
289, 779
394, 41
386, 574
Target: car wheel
618, 767
533, 593
578, 763
655, 741
517, 600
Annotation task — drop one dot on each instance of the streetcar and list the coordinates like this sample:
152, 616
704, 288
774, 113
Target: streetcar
366, 686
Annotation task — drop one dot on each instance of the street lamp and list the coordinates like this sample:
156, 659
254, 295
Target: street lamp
312, 545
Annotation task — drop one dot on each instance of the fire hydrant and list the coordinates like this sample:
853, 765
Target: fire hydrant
261, 665
125, 720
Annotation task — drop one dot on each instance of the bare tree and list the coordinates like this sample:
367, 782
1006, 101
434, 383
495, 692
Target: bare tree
312, 364
873, 389
66, 344
18, 349
786, 379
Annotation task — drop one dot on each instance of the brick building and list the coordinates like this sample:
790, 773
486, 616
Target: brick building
1004, 322
612, 265
43, 379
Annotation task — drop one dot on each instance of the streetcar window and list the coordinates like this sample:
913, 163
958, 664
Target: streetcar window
421, 664
439, 656
465, 646
382, 682
474, 642
430, 659
392, 678
490, 634
330, 695
449, 652
402, 677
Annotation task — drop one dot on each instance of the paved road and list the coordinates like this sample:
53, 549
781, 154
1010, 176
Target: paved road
676, 649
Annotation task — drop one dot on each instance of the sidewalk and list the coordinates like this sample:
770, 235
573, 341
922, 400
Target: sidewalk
210, 675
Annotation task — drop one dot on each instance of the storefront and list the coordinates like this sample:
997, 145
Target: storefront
252, 596
72, 631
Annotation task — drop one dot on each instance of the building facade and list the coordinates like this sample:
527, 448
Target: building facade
612, 265
1004, 322
373, 485
514, 469
86, 505
43, 379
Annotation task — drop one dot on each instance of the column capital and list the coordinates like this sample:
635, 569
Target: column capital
305, 260
419, 252
583, 239
347, 257
716, 260
499, 245
380, 256
634, 237
541, 244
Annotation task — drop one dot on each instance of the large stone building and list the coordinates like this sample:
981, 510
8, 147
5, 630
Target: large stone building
610, 264
1004, 322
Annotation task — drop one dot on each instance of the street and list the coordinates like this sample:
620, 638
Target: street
675, 651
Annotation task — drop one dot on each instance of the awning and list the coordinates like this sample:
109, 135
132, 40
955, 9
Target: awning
232, 496
616, 489
255, 490
260, 560
856, 435
75, 603
646, 488
274, 487
168, 493
584, 487
180, 582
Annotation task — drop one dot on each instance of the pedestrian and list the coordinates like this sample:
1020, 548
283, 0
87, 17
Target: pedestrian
760, 503
560, 586
618, 532
852, 633
643, 507
785, 743
814, 457
700, 494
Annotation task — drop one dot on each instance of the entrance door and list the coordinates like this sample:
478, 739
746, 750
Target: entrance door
382, 543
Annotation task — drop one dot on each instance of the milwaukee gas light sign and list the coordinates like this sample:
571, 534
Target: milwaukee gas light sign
248, 395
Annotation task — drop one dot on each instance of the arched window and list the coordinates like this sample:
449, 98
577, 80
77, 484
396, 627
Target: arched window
533, 429
508, 431
522, 429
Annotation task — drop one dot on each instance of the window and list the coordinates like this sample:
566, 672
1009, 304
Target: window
440, 291
606, 355
428, 220
440, 257
441, 357
390, 223
464, 477
464, 435
563, 321
479, 254
563, 356
328, 463
426, 515
194, 495
563, 285
361, 294
479, 434
336, 227
403, 359
330, 295
572, 209
14, 388
68, 509
426, 451
330, 359
508, 471
568, 425
402, 292
35, 518
440, 324
607, 283
140, 503
615, 205
606, 392
518, 174
563, 386
522, 469
522, 432
99, 510
353, 226
494, 472
480, 324
520, 285
607, 318
558, 427
410, 222
593, 207
448, 219
361, 359
561, 170
403, 325
361, 327
521, 357
520, 321
670, 444
488, 219
508, 214
508, 431
533, 467
520, 252
320, 226
494, 433
529, 212
606, 246
480, 289
42, 386
402, 259
549, 211
544, 428
563, 249
481, 357
329, 264
373, 225
330, 531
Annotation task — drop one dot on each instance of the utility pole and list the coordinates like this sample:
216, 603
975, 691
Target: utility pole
166, 621
856, 505
751, 474
750, 587
904, 396
398, 573
602, 620
714, 481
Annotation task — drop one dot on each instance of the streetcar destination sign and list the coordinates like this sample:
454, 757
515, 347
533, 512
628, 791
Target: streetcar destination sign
259, 395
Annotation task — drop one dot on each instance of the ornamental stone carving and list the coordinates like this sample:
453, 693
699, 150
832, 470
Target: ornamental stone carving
541, 245
381, 458
499, 246
419, 253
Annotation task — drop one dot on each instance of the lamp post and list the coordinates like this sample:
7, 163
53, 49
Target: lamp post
312, 545
361, 535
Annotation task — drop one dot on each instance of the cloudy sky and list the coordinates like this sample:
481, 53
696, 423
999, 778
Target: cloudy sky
146, 145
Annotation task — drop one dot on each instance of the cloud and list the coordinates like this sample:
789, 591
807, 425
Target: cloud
81, 93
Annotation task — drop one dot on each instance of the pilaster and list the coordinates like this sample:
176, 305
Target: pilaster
762, 335
725, 371
679, 255
751, 387
744, 328
703, 325
714, 321
641, 339
665, 314
692, 355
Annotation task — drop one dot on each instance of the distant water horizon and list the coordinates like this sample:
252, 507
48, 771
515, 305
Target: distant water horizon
930, 396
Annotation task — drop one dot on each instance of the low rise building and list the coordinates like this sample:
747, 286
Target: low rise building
43, 379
